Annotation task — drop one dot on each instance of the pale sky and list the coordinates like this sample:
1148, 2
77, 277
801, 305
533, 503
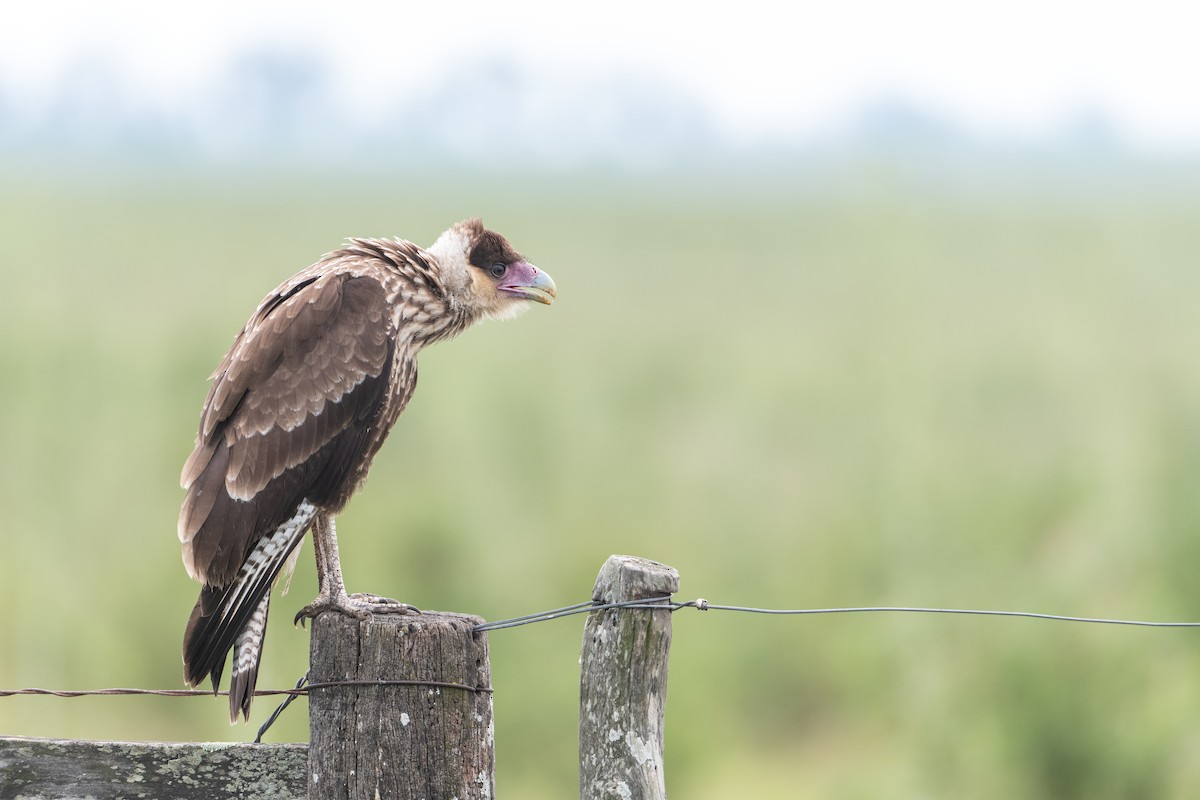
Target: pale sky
1018, 67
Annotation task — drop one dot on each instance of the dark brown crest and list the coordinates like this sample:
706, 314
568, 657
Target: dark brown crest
489, 247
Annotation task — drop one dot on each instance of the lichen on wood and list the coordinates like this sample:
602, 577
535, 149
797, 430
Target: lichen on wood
58, 769
623, 684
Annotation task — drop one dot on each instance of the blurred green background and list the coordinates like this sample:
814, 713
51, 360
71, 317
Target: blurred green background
846, 387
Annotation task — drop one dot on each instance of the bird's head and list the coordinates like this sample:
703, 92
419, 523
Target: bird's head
482, 271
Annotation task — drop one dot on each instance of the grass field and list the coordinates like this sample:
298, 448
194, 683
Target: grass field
860, 390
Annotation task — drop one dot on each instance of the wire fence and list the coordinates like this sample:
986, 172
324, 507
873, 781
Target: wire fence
303, 688
700, 604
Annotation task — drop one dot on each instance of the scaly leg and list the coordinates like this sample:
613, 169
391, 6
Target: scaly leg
331, 592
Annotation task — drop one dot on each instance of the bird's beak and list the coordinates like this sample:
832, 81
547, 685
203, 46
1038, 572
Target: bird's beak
533, 284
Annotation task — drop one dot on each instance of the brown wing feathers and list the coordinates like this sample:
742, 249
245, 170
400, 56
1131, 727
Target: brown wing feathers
288, 419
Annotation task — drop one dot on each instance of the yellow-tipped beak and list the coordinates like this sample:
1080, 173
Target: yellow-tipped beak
540, 290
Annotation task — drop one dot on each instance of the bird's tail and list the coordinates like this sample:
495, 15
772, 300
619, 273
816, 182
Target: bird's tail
235, 616
247, 652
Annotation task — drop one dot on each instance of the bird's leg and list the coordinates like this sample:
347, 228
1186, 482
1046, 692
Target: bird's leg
331, 592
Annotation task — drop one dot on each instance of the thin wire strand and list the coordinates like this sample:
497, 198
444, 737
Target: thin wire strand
298, 691
703, 605
541, 616
119, 691
279, 709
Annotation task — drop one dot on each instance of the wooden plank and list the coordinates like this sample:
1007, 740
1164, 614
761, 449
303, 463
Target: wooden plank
62, 769
400, 742
623, 684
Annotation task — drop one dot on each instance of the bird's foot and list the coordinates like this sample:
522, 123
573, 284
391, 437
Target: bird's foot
377, 604
360, 606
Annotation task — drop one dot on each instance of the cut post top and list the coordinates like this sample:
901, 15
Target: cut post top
625, 578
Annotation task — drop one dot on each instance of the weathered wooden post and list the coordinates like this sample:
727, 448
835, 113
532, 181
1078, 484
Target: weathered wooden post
401, 742
69, 769
623, 684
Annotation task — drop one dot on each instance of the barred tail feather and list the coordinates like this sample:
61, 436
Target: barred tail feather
226, 616
247, 653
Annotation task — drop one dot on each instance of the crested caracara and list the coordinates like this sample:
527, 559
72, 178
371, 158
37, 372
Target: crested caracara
298, 409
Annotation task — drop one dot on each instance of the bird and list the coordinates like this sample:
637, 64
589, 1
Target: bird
298, 409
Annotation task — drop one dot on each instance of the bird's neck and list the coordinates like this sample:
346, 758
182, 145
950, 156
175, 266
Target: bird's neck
422, 323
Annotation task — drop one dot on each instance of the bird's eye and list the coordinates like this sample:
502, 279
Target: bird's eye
498, 270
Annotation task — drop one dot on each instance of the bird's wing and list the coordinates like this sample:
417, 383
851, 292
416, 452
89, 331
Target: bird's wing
289, 415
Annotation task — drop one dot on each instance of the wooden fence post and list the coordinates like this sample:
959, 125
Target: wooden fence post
69, 769
400, 742
623, 684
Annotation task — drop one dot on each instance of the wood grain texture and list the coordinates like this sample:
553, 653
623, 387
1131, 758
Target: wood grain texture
623, 684
400, 742
62, 769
